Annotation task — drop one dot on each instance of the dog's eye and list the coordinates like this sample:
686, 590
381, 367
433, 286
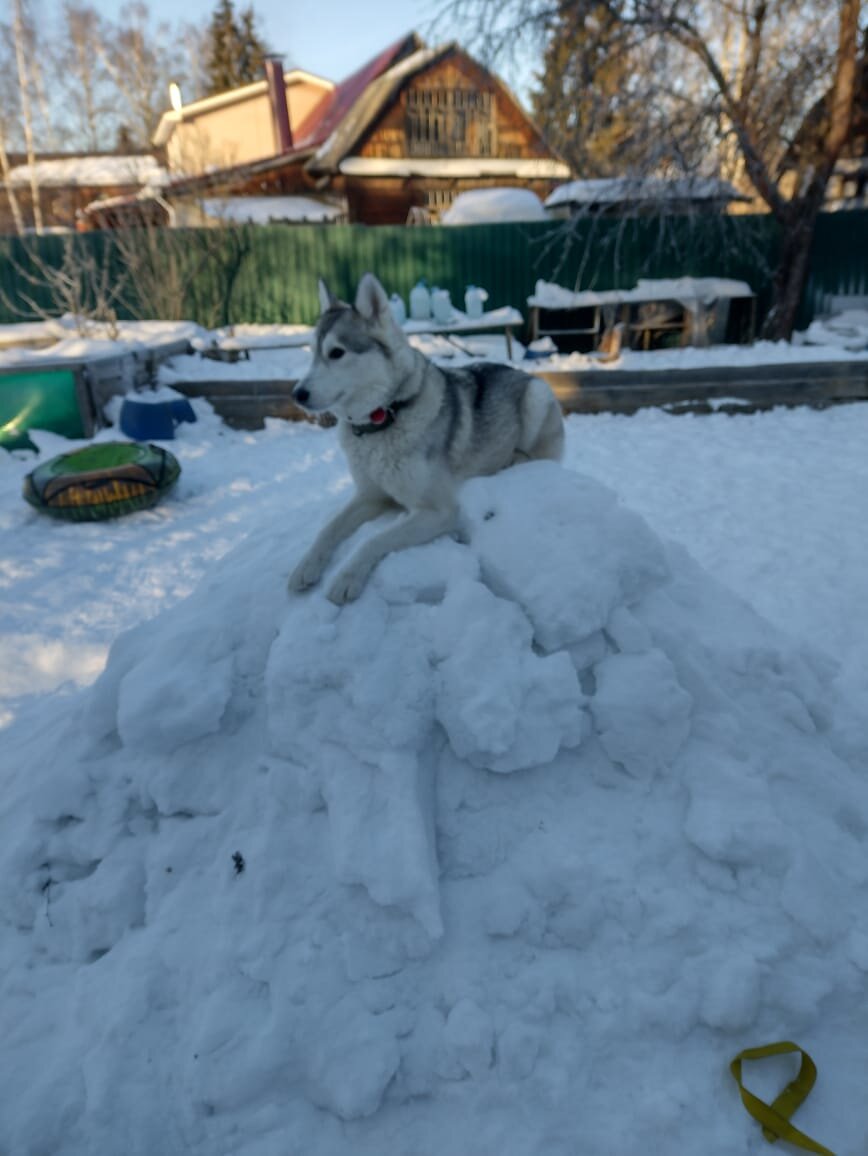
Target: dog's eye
336, 354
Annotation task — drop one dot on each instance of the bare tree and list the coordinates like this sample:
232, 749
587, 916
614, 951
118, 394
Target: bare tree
174, 274
24, 37
6, 169
192, 66
141, 59
88, 79
763, 87
82, 281
82, 75
9, 122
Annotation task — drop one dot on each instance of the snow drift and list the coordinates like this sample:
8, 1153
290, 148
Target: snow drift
510, 856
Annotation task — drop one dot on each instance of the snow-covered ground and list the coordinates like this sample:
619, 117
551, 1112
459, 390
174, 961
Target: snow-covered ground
513, 855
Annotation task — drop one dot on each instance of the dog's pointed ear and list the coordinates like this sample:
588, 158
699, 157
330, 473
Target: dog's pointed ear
371, 300
327, 299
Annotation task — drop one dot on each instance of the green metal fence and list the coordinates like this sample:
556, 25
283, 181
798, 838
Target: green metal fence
269, 274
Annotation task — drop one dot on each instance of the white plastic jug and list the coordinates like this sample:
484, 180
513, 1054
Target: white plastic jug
441, 305
420, 302
474, 301
396, 304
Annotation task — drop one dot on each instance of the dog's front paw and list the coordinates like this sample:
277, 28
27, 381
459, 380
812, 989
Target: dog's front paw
347, 586
306, 574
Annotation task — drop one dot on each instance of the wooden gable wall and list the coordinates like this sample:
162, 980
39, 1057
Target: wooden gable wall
514, 135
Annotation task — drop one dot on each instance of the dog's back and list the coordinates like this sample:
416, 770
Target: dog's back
494, 415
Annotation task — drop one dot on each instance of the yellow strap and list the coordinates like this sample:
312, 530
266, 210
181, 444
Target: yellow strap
775, 1117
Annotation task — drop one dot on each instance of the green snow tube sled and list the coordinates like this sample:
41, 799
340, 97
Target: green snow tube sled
102, 481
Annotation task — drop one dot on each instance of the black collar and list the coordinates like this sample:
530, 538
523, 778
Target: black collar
381, 418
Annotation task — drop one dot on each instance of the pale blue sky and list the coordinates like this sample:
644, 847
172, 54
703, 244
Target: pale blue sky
329, 37
335, 37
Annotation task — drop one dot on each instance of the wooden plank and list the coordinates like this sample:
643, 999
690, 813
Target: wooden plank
246, 404
758, 386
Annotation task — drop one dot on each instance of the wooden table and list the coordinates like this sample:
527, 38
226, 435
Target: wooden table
502, 320
684, 306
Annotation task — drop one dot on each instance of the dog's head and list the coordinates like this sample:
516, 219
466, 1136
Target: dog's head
359, 355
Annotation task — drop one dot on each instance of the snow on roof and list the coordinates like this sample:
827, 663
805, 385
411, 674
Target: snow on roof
615, 190
540, 168
482, 206
262, 210
91, 171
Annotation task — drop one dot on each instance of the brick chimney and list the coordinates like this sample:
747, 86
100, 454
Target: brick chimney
279, 107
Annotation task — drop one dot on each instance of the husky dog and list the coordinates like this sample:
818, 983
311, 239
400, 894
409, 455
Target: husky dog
411, 431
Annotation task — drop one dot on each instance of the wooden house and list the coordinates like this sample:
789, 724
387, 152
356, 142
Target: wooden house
432, 126
64, 184
396, 141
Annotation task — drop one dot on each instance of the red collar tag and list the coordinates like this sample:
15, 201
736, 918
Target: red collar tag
378, 416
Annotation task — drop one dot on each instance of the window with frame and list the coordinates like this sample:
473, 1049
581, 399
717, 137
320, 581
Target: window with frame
450, 122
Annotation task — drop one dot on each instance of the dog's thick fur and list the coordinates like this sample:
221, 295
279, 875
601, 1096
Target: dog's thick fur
411, 431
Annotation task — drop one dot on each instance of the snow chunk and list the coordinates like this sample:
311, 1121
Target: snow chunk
469, 1039
732, 997
353, 1058
503, 706
158, 711
731, 817
641, 712
609, 556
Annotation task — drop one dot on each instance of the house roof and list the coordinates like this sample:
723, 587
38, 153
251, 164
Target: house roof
91, 171
234, 96
322, 121
370, 103
620, 190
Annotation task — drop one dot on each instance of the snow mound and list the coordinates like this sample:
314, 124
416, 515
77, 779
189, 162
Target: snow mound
494, 206
538, 819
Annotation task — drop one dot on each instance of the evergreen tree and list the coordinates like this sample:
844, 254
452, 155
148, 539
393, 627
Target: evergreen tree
235, 49
252, 50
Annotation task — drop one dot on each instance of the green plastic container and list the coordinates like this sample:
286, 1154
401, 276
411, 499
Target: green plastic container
40, 399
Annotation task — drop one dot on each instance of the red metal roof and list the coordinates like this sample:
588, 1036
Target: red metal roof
318, 126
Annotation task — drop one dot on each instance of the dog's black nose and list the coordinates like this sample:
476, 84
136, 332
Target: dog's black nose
301, 394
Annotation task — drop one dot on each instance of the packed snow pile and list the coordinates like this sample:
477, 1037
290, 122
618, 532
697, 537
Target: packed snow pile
512, 855
846, 330
494, 206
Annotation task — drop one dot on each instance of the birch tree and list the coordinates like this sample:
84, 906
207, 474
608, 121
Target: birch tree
24, 39
142, 58
82, 75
